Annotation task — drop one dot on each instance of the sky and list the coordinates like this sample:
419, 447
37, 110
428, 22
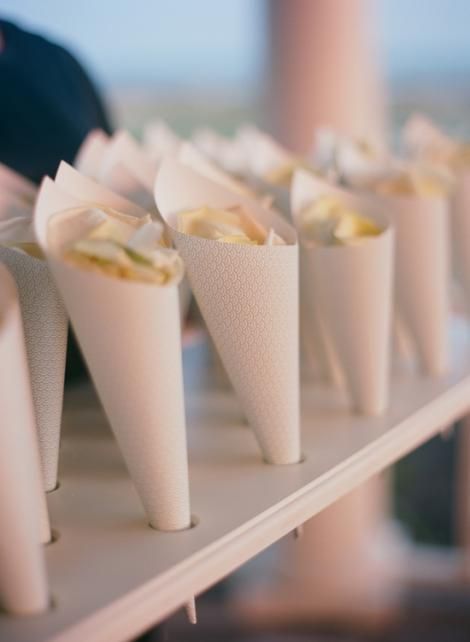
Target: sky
223, 42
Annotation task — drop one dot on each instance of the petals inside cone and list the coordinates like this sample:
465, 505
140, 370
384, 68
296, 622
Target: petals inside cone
230, 225
328, 221
117, 245
413, 182
283, 174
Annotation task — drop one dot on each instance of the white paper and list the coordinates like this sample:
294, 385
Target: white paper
23, 582
248, 296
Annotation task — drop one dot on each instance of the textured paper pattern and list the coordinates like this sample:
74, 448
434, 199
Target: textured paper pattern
129, 334
248, 297
23, 513
45, 330
353, 291
422, 274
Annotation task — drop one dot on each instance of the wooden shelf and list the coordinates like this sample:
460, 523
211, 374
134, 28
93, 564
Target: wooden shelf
112, 577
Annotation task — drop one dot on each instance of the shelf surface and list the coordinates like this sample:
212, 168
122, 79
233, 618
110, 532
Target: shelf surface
112, 576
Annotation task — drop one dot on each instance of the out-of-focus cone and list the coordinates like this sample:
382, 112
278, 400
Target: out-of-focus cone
45, 330
352, 286
159, 140
90, 155
122, 148
426, 142
248, 296
422, 274
23, 582
129, 333
460, 228
87, 190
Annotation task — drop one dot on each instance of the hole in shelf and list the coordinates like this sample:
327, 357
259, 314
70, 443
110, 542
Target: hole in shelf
302, 459
194, 522
23, 616
55, 536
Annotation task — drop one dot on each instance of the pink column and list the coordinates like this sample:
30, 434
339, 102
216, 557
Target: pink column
323, 69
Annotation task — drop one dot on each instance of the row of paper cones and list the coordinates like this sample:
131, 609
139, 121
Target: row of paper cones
129, 333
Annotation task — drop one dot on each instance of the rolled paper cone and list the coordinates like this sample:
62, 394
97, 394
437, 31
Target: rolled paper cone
23, 582
14, 183
352, 286
460, 230
129, 334
422, 276
122, 181
248, 296
90, 155
13, 206
319, 352
124, 149
266, 155
45, 331
87, 190
159, 140
191, 157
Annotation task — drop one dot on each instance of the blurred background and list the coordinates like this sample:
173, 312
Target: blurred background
201, 61
222, 63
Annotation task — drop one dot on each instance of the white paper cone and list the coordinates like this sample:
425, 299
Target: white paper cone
129, 334
23, 583
422, 274
13, 206
248, 296
45, 330
189, 156
265, 155
317, 345
460, 229
159, 140
352, 286
14, 183
122, 181
124, 149
90, 155
87, 190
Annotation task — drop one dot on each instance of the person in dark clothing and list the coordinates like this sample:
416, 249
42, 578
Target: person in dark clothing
48, 104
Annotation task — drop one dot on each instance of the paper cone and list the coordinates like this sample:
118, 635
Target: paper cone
45, 330
129, 334
87, 190
23, 583
159, 140
124, 149
265, 155
122, 181
428, 143
12, 206
248, 296
90, 155
422, 274
352, 286
460, 229
14, 183
189, 156
226, 153
317, 346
